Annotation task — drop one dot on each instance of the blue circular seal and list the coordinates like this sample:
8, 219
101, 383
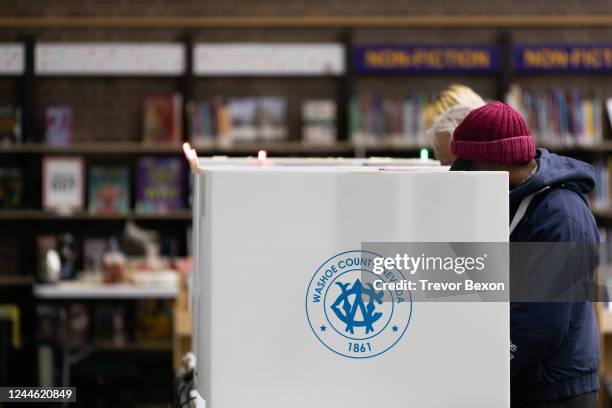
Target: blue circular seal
349, 309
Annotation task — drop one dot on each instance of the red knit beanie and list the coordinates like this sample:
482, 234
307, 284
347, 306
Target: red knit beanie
494, 132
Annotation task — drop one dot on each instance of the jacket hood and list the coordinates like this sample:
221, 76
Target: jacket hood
554, 170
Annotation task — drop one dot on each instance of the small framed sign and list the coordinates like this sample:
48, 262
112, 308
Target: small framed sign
63, 183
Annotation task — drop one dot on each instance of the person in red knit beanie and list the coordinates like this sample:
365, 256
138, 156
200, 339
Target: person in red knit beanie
554, 344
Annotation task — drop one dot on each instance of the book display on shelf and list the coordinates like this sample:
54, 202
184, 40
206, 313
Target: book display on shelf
160, 187
63, 184
10, 124
58, 125
376, 119
243, 120
238, 120
319, 121
11, 187
559, 116
271, 118
109, 189
162, 118
93, 251
201, 122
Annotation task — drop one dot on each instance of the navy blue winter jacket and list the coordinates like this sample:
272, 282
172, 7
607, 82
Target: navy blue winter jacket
555, 352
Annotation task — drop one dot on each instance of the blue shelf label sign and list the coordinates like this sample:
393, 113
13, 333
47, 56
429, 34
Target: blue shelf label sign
563, 58
426, 58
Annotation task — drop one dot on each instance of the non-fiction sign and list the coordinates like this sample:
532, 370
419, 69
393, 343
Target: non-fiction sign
426, 58
563, 58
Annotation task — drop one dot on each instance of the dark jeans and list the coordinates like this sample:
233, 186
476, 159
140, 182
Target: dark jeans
588, 400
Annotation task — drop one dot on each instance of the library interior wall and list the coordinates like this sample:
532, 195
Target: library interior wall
297, 7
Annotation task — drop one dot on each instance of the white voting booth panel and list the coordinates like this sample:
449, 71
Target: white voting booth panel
261, 232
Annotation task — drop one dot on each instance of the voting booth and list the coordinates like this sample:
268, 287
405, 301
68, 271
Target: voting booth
265, 236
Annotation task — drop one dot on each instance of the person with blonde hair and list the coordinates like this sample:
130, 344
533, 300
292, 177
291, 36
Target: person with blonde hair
444, 114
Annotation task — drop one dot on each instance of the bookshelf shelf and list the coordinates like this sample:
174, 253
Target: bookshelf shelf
603, 147
134, 347
287, 147
81, 290
91, 148
36, 215
16, 280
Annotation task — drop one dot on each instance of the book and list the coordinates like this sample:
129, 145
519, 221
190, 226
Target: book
103, 323
58, 125
319, 121
153, 321
93, 251
11, 187
271, 118
201, 122
63, 183
162, 118
160, 185
47, 323
243, 120
109, 189
10, 124
223, 120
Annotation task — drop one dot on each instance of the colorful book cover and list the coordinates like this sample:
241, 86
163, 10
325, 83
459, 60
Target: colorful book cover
243, 120
271, 117
93, 251
11, 187
10, 124
63, 183
58, 125
319, 121
201, 122
109, 189
222, 120
162, 118
160, 185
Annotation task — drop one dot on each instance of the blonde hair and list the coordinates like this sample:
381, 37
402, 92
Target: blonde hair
455, 94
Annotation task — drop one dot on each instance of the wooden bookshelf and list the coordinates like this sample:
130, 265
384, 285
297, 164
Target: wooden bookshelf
281, 147
343, 148
91, 148
37, 215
